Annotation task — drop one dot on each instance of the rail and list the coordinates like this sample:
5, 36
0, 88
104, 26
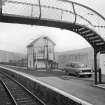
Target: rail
9, 93
40, 102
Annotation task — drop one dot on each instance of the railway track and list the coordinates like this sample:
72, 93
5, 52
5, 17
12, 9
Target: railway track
18, 93
4, 96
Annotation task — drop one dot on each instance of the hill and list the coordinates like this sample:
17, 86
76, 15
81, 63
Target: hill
6, 56
83, 50
85, 55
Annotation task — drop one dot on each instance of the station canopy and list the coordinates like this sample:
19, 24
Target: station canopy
87, 22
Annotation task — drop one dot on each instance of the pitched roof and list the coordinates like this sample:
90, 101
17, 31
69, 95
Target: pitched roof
44, 37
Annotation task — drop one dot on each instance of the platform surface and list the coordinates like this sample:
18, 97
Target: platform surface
81, 88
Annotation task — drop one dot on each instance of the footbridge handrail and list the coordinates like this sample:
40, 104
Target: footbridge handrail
61, 11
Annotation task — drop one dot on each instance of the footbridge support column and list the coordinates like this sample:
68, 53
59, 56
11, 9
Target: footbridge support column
0, 7
95, 66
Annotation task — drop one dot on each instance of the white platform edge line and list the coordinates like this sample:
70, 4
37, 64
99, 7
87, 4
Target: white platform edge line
100, 86
49, 86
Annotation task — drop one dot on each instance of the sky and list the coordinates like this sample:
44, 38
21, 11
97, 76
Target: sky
15, 37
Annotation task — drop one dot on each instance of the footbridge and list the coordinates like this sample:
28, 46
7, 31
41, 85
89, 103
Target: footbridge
60, 14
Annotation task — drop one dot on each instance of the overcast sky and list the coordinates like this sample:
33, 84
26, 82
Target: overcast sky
15, 37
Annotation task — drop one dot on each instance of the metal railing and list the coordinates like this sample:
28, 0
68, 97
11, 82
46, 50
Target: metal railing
57, 10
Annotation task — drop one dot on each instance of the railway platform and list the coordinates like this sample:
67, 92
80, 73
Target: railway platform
80, 88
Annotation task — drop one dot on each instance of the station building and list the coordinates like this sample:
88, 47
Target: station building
40, 54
